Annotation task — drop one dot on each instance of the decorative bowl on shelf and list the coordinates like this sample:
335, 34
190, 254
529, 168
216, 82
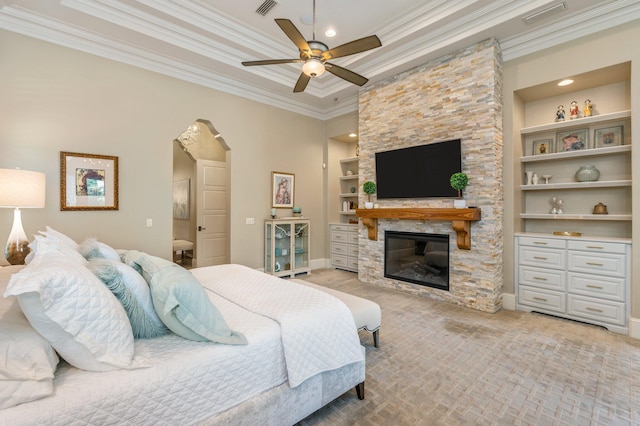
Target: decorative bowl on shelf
546, 178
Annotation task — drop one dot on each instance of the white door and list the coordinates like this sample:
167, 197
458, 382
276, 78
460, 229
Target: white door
212, 207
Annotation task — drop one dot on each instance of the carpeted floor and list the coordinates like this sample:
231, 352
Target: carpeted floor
440, 364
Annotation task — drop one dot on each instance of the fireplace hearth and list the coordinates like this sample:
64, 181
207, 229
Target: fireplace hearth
417, 258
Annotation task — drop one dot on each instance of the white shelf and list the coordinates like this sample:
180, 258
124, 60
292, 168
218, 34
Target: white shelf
348, 212
577, 123
568, 216
594, 152
577, 185
349, 195
352, 177
349, 160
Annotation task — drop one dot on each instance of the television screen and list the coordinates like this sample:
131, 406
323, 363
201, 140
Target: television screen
418, 172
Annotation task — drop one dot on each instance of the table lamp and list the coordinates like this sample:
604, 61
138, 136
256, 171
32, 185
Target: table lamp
20, 189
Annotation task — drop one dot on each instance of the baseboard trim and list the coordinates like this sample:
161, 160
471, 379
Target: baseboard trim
509, 301
634, 328
320, 263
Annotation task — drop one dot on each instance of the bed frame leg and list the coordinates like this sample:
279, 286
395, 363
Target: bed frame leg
360, 390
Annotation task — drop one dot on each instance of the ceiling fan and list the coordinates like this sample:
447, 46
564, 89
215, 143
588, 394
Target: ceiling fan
315, 55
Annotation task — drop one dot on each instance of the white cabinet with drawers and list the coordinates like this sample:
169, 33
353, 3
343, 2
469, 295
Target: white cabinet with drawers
581, 278
344, 246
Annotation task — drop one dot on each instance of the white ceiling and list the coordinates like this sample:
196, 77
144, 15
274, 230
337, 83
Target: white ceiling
205, 41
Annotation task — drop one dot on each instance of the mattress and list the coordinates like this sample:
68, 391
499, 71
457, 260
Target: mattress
188, 382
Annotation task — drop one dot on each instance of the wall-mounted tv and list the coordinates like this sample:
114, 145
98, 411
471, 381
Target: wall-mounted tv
421, 171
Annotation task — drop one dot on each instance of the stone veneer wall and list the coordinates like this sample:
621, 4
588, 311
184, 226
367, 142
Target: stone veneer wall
457, 96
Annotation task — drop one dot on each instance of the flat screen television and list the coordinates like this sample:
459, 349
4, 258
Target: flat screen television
421, 171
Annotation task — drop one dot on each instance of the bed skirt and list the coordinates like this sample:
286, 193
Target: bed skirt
284, 405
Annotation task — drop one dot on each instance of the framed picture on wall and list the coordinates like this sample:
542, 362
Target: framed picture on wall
572, 140
282, 189
88, 182
608, 136
543, 146
181, 198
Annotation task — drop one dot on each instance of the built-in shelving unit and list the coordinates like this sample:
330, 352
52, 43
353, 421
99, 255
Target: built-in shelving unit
348, 188
613, 188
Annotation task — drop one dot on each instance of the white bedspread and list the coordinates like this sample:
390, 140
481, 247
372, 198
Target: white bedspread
318, 330
188, 382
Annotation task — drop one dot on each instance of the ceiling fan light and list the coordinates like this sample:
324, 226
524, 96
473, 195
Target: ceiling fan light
313, 68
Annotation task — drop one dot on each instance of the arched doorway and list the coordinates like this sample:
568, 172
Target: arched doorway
201, 207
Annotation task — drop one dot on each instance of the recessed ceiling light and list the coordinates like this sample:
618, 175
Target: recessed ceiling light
565, 82
353, 135
330, 32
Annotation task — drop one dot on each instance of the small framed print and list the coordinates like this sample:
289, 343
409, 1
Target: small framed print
282, 190
88, 182
572, 140
543, 146
608, 136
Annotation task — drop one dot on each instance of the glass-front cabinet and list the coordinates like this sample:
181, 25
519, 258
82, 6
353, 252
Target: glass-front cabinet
287, 243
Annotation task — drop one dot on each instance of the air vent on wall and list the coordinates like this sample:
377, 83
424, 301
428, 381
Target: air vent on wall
543, 13
266, 7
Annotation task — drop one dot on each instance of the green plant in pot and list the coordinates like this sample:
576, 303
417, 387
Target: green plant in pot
369, 188
459, 182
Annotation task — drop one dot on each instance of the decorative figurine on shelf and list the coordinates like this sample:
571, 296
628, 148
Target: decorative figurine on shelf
588, 107
556, 204
529, 177
560, 113
573, 111
534, 179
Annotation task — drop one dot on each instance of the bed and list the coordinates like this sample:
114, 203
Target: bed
293, 349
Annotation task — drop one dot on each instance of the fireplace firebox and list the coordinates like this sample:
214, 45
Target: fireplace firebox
417, 258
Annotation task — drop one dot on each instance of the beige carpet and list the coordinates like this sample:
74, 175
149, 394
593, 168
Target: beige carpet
439, 364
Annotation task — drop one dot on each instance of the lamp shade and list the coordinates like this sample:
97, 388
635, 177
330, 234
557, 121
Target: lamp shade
313, 67
22, 188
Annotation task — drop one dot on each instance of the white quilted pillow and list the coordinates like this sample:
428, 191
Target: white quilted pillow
75, 312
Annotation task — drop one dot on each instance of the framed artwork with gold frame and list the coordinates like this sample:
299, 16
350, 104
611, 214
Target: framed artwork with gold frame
88, 182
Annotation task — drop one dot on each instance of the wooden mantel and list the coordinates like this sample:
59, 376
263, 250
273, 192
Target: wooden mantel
460, 220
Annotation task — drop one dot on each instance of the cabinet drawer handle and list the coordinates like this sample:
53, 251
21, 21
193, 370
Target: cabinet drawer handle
594, 310
541, 299
595, 247
542, 243
595, 264
539, 257
597, 287
540, 278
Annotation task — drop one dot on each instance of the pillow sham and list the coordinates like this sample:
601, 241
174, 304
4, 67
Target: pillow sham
59, 237
182, 303
91, 248
28, 360
133, 292
41, 244
75, 312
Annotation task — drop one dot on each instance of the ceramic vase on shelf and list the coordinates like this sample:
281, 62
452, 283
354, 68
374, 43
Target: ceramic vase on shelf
529, 178
460, 204
587, 174
368, 204
534, 179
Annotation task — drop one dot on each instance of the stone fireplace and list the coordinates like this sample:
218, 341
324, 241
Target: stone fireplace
457, 96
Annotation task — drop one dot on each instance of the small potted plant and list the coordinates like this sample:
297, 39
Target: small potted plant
459, 182
369, 188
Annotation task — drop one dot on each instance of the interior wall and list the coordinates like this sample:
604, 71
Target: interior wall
588, 53
58, 99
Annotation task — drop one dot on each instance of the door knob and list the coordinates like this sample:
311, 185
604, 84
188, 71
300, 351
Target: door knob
200, 228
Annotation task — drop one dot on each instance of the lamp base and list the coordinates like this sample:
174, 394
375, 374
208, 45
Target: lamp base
17, 245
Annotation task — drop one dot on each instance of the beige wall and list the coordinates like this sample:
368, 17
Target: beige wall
57, 99
586, 54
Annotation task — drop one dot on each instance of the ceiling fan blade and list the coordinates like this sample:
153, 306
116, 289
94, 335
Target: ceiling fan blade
301, 84
356, 46
294, 35
345, 74
270, 62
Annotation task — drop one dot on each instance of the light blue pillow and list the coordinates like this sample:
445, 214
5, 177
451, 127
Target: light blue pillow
92, 248
133, 292
182, 303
